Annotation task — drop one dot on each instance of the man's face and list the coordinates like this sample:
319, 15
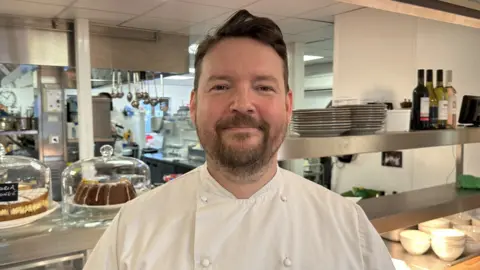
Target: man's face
241, 108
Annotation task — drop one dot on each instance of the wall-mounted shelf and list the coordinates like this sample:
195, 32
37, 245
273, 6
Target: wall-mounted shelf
298, 147
410, 208
94, 139
19, 132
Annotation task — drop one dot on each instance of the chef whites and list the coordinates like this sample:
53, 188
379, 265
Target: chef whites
194, 223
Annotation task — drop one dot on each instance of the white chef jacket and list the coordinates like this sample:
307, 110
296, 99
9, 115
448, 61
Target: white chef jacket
194, 223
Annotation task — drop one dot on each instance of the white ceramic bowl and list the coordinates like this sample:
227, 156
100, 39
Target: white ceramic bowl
437, 223
471, 248
448, 234
476, 220
460, 219
471, 232
415, 242
455, 243
446, 252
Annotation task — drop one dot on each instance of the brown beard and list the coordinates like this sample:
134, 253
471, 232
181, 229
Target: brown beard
244, 161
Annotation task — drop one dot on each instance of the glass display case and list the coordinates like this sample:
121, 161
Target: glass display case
96, 188
24, 190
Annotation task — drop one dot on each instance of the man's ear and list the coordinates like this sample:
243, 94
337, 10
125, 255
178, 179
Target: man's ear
193, 106
289, 104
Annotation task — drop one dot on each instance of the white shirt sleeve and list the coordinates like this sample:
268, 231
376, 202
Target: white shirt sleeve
375, 255
104, 255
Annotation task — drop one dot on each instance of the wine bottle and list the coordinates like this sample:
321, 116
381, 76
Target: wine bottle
442, 101
452, 101
420, 115
433, 100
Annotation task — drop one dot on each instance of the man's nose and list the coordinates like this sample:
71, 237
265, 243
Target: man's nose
242, 101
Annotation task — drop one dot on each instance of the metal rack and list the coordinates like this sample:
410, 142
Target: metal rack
407, 208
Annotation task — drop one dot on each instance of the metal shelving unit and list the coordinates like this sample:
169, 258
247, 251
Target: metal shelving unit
407, 208
19, 132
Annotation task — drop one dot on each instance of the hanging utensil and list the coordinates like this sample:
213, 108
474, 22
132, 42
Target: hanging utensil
113, 92
138, 91
120, 93
129, 95
135, 103
154, 100
146, 93
146, 98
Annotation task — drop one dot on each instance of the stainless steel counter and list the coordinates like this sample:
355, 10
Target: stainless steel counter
50, 237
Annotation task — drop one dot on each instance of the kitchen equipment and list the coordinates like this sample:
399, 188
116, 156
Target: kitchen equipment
367, 118
138, 90
415, 242
321, 122
154, 100
472, 237
96, 188
146, 95
429, 226
448, 244
24, 189
120, 93
129, 95
23, 123
397, 120
156, 123
113, 92
460, 219
7, 123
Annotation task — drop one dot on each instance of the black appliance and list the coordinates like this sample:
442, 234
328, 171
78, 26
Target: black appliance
470, 111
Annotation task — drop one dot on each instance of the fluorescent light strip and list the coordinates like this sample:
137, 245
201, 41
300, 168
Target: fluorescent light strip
307, 58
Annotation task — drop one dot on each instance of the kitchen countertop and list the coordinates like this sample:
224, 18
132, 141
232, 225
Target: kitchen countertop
174, 160
52, 236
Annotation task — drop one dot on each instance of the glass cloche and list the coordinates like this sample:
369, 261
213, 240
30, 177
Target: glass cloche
96, 188
24, 190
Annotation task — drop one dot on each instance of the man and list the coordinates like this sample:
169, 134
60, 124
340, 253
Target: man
240, 211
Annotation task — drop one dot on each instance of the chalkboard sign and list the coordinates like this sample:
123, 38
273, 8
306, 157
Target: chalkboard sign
9, 192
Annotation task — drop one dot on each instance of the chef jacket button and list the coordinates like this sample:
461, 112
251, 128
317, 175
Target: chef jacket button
283, 198
205, 262
287, 262
204, 199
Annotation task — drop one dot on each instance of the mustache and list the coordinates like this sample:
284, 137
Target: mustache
241, 120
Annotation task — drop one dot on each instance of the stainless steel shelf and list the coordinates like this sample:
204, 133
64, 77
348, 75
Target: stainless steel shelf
298, 147
410, 208
19, 132
94, 139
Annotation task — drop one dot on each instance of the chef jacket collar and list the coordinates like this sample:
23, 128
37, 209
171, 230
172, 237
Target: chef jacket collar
210, 185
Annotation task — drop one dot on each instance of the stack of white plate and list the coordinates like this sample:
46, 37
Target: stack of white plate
321, 122
448, 244
368, 118
472, 238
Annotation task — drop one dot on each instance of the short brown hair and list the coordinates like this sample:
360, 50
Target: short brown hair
244, 24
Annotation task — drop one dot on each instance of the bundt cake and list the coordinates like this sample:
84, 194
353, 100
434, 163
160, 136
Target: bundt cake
96, 193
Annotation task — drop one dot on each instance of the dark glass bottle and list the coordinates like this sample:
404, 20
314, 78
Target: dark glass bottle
433, 100
420, 116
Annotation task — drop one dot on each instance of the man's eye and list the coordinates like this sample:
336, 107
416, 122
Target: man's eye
264, 88
220, 87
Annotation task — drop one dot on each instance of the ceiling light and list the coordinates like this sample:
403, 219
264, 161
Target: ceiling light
311, 57
179, 77
192, 49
